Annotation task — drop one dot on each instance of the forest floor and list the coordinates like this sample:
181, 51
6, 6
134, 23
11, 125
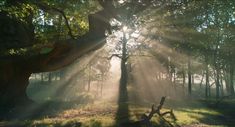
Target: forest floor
198, 113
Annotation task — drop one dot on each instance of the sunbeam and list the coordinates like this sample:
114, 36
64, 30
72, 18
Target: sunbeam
117, 63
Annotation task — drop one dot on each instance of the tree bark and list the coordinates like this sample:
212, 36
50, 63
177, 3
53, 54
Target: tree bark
124, 76
89, 79
217, 83
49, 77
207, 81
14, 78
42, 79
183, 78
102, 84
226, 79
231, 80
123, 93
174, 78
189, 77
221, 85
202, 80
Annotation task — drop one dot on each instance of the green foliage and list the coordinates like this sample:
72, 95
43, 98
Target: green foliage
19, 12
52, 25
31, 25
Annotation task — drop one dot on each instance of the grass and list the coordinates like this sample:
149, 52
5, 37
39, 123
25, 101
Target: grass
102, 114
192, 116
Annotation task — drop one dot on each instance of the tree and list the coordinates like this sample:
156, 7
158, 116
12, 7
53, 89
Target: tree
197, 29
16, 67
26, 41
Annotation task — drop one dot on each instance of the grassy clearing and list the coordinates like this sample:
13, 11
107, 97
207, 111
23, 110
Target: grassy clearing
103, 114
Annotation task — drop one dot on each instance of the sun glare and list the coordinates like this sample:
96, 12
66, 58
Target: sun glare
124, 28
121, 1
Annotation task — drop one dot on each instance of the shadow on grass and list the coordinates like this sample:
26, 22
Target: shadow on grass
122, 114
46, 108
25, 115
205, 112
227, 110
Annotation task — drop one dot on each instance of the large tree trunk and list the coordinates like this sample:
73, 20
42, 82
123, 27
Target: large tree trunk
16, 70
123, 97
122, 111
14, 79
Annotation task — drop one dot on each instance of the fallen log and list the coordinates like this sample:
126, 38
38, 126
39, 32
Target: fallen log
145, 119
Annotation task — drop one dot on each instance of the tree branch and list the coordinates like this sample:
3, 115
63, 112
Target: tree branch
66, 51
171, 113
48, 8
115, 55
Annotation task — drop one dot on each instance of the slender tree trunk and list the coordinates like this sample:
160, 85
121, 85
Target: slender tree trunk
49, 77
170, 75
189, 77
89, 79
231, 80
207, 81
202, 80
221, 85
183, 75
157, 76
35, 76
169, 70
42, 78
58, 75
102, 85
83, 84
192, 79
174, 78
61, 75
217, 83
226, 79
